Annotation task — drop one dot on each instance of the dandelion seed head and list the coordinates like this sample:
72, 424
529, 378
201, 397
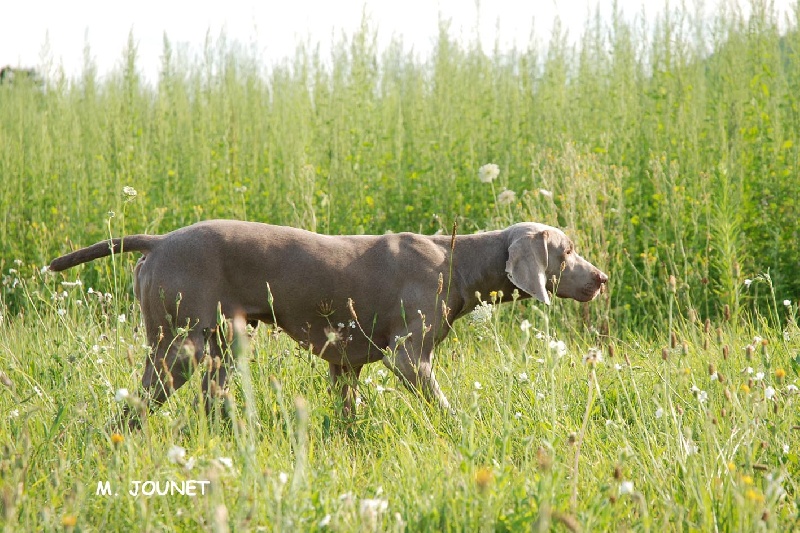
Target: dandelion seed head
488, 173
507, 197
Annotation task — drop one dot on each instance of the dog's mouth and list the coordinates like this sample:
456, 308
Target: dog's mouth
587, 293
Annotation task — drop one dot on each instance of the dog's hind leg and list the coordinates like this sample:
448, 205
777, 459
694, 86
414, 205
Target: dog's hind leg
216, 367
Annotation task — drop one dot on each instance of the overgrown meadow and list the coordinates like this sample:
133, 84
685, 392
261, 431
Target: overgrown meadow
668, 152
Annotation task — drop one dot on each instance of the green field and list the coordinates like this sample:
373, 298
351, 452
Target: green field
670, 153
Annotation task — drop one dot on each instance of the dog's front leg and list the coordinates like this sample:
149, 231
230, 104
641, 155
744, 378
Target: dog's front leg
413, 365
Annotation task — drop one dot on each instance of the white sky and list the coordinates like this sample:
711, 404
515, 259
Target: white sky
276, 26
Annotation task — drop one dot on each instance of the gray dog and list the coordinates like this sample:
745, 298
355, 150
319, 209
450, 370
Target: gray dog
351, 299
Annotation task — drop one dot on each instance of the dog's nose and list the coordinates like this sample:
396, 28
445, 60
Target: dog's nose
601, 277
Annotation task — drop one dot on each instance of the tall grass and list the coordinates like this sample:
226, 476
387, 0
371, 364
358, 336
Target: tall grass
687, 132
669, 153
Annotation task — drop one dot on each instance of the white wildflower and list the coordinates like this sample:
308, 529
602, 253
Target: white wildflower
14, 413
594, 356
787, 303
122, 318
546, 193
176, 454
69, 284
517, 415
769, 393
507, 197
617, 366
325, 521
759, 376
525, 325
560, 347
283, 477
225, 461
659, 412
478, 385
129, 191
487, 173
785, 449
370, 508
626, 487
482, 313
379, 389
523, 377
62, 312
748, 282
791, 389
702, 396
689, 447
189, 464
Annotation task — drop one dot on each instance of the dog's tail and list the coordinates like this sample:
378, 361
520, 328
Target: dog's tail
132, 243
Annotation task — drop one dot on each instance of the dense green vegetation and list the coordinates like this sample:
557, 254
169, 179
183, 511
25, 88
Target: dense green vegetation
669, 153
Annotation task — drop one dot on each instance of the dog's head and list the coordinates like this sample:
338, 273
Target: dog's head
542, 259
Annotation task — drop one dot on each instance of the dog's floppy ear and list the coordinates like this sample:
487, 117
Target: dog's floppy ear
527, 264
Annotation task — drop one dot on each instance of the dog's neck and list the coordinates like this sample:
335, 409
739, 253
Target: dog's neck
479, 263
